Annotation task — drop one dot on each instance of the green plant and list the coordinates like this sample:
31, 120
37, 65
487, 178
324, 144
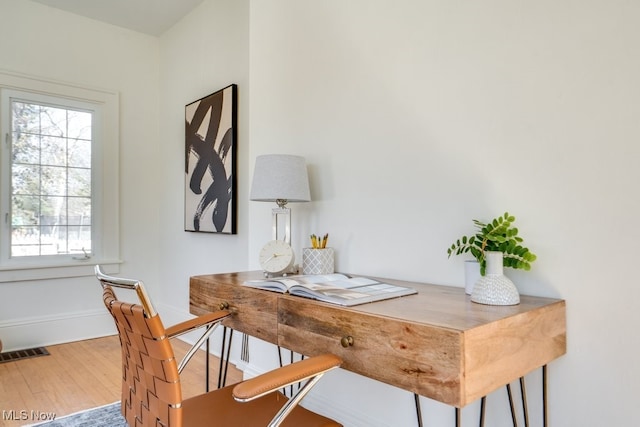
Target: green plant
498, 235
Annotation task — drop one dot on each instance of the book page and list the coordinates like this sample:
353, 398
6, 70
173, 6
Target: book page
316, 278
327, 290
353, 282
268, 285
282, 284
378, 288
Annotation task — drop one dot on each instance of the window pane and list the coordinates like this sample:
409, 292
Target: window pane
25, 148
79, 182
25, 250
25, 117
79, 153
25, 210
53, 121
54, 151
56, 241
79, 238
25, 179
53, 213
79, 125
25, 241
54, 181
79, 212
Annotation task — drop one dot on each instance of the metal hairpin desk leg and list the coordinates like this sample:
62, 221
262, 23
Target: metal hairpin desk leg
523, 394
544, 396
224, 339
291, 361
206, 367
224, 358
284, 390
483, 402
525, 406
511, 406
416, 397
244, 349
458, 421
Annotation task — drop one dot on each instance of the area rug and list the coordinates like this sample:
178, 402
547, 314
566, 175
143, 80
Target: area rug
102, 416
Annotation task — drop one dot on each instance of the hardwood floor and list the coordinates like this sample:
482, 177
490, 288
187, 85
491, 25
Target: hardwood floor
82, 375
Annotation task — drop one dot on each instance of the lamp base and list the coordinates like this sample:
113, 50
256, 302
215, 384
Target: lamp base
281, 224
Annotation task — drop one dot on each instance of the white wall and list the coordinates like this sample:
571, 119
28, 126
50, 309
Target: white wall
206, 51
44, 42
417, 116
414, 117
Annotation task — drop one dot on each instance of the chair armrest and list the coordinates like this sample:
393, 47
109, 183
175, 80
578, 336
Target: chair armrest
287, 375
210, 321
198, 322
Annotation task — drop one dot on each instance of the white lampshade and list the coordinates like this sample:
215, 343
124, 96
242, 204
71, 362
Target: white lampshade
280, 177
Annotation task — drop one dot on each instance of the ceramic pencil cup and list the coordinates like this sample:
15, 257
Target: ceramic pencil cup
317, 261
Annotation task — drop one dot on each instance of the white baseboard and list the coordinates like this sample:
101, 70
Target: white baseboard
38, 331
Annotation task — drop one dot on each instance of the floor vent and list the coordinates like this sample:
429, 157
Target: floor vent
12, 356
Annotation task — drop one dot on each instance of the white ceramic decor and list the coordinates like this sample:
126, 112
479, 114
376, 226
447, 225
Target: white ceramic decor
494, 288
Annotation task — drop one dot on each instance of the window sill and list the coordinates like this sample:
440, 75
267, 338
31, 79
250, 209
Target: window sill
57, 271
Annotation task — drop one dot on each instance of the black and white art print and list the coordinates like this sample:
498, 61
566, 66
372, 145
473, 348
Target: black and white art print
210, 151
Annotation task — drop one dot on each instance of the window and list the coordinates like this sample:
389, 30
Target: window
49, 160
59, 146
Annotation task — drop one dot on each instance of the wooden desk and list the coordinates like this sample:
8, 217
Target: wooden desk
437, 343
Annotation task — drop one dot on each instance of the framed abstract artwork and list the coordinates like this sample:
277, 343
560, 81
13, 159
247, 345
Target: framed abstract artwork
210, 163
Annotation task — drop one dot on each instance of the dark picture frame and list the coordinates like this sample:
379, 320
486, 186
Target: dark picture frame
210, 163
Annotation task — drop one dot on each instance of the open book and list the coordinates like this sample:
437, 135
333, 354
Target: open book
333, 288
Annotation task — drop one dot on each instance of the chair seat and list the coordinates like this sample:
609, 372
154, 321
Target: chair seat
219, 408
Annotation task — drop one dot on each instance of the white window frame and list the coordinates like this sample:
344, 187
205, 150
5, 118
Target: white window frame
105, 182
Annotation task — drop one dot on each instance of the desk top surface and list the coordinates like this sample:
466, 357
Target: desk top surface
436, 305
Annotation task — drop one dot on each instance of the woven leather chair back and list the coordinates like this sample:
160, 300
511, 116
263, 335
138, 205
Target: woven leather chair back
151, 391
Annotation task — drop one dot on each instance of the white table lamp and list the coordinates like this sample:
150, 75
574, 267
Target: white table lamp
280, 178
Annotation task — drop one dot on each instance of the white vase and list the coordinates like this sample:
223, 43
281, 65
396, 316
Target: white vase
471, 275
494, 288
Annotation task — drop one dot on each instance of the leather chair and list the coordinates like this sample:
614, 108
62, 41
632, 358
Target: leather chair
151, 392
